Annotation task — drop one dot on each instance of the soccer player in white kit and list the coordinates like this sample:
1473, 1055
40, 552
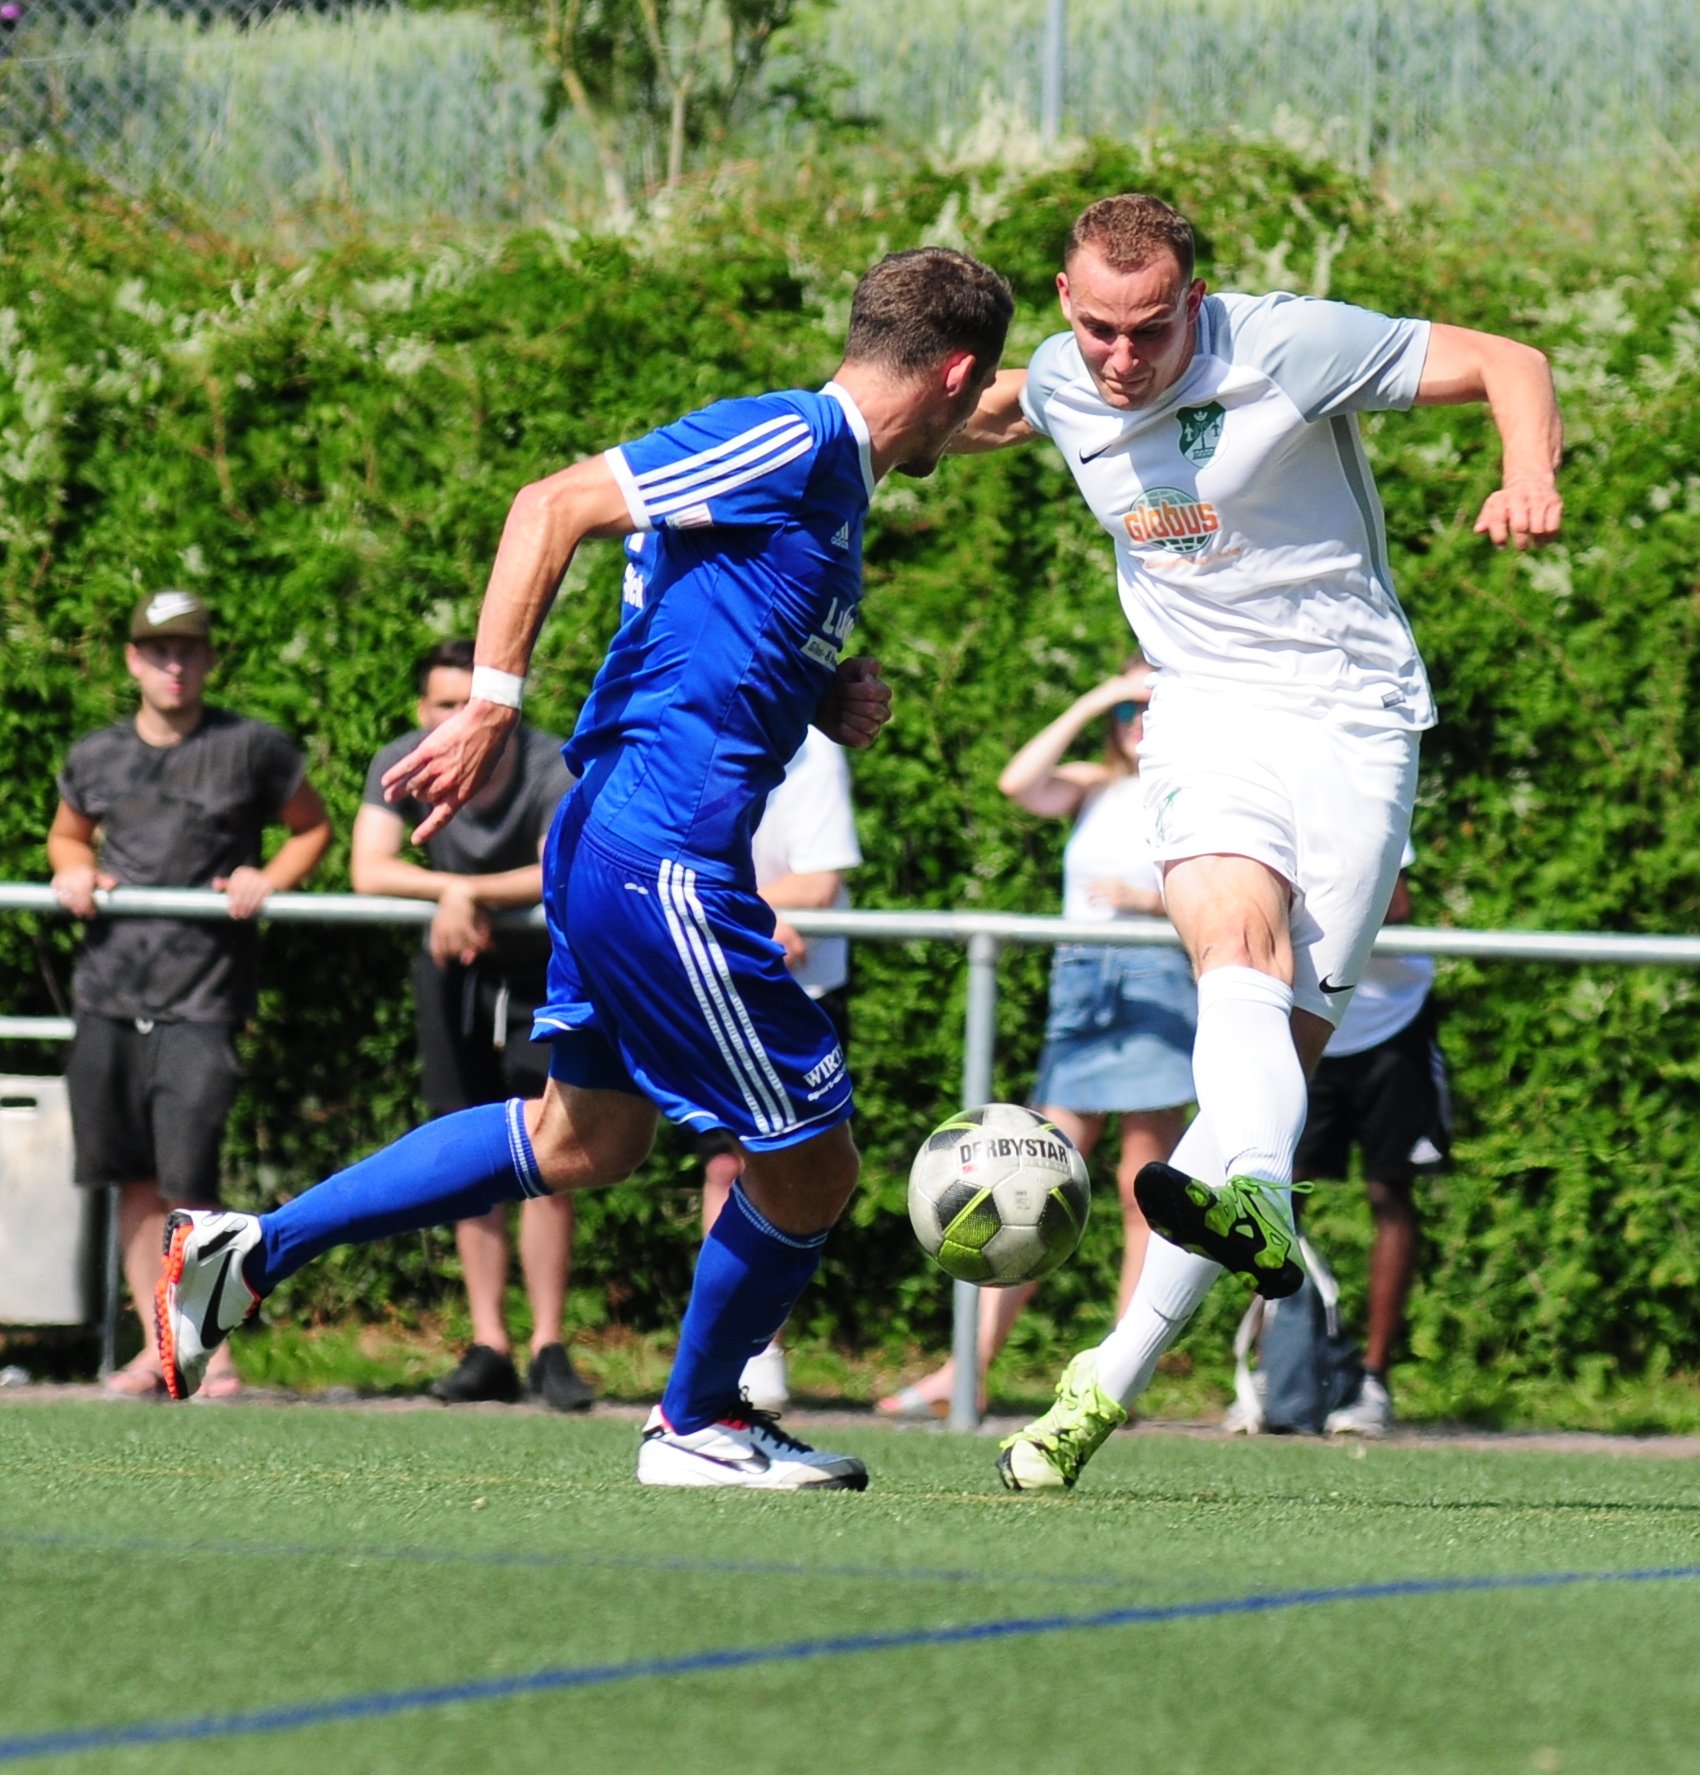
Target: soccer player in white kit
1214, 437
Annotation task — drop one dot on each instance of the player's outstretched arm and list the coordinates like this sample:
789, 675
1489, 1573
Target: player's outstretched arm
545, 525
997, 421
1516, 382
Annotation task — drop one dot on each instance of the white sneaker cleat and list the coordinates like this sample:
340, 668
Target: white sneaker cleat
1245, 1417
202, 1295
748, 1449
1370, 1414
765, 1382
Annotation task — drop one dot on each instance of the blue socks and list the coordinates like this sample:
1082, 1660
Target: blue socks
448, 1170
748, 1277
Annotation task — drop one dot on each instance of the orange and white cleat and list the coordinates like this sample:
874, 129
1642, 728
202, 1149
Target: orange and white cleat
202, 1296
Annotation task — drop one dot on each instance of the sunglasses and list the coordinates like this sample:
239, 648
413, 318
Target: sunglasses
1128, 713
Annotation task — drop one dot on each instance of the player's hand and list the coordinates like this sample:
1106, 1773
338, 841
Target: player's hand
75, 889
447, 768
1523, 512
247, 888
1125, 687
793, 942
857, 706
1122, 896
460, 928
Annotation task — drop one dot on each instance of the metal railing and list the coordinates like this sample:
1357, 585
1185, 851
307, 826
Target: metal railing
983, 934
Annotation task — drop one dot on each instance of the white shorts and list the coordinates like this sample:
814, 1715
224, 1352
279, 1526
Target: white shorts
1325, 804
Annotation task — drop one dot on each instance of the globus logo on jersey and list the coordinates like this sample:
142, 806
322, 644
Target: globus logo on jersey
1170, 518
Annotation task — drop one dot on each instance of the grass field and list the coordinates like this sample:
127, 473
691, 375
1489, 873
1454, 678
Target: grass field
255, 1589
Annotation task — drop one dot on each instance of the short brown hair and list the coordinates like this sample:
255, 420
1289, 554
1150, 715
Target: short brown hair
914, 308
1129, 231
454, 655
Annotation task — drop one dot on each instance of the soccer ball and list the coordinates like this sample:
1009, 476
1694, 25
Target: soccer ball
998, 1195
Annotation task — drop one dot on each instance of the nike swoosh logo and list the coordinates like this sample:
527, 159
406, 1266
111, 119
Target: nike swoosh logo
217, 1293
754, 1462
1328, 985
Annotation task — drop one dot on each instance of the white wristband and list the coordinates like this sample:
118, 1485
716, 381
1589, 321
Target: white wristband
491, 685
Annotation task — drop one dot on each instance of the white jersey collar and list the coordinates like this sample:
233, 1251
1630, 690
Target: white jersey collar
864, 443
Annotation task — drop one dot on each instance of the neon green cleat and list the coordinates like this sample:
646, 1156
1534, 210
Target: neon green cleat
1245, 1226
1049, 1453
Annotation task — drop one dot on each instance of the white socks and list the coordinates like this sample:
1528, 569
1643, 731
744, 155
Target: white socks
1171, 1285
1251, 1088
1252, 1100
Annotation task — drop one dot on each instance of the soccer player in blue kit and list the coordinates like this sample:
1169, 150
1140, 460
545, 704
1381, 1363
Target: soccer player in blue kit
667, 992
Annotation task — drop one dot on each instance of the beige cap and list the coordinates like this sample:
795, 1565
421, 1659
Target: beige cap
170, 613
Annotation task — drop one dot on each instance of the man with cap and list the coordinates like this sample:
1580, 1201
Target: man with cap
178, 795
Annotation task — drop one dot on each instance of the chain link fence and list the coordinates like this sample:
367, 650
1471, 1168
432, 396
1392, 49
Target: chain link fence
1412, 90
259, 109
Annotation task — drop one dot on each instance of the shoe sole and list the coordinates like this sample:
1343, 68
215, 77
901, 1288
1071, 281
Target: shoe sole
574, 1399
564, 1405
1177, 1205
176, 1238
701, 1476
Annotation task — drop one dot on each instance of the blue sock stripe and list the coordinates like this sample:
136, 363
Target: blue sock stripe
797, 1241
520, 1150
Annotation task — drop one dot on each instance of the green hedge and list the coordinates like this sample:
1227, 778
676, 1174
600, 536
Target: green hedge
326, 448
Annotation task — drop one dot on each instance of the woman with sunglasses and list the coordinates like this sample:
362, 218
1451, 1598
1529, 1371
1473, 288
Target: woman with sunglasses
1119, 1034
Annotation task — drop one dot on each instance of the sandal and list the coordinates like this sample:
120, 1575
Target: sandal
909, 1405
141, 1378
221, 1381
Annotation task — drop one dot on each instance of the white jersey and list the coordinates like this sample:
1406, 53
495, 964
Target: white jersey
1112, 839
1250, 545
808, 827
1391, 991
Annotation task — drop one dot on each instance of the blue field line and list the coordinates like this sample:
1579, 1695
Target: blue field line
588, 1676
739, 1568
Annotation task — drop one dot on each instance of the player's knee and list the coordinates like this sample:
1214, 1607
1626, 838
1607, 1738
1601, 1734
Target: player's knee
582, 1152
1391, 1201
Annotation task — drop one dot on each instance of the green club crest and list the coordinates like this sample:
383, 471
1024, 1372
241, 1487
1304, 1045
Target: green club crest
1201, 430
1162, 820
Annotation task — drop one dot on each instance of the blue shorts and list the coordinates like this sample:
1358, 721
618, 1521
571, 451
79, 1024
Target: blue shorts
1119, 1032
671, 987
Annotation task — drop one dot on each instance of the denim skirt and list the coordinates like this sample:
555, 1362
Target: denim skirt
1118, 1035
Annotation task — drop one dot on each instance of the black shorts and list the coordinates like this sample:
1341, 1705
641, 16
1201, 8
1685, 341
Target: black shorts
1392, 1101
475, 1041
149, 1103
711, 1142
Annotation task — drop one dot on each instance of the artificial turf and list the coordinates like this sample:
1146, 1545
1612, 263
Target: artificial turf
253, 1588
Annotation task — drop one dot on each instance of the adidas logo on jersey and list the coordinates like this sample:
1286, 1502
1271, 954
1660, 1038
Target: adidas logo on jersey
841, 537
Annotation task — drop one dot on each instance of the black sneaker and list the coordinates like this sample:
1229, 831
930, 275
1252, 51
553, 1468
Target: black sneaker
1245, 1226
483, 1374
553, 1381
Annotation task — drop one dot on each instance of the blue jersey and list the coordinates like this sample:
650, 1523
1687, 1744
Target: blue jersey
733, 617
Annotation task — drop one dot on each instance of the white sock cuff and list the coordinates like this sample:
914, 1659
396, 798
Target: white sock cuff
1246, 986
